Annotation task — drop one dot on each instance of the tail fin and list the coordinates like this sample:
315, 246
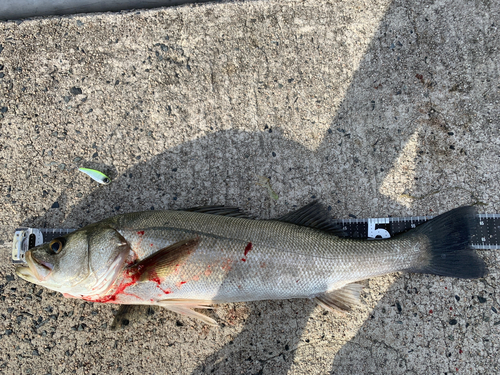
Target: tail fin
446, 242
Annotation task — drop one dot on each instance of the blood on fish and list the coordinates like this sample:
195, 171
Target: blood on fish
180, 283
208, 271
176, 270
133, 274
112, 297
156, 279
226, 265
248, 248
140, 233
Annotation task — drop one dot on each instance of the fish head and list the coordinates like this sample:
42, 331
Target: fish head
83, 263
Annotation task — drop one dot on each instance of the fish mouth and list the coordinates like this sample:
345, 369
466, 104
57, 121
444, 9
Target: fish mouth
24, 272
37, 268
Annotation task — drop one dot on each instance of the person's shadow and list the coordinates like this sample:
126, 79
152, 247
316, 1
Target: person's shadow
353, 160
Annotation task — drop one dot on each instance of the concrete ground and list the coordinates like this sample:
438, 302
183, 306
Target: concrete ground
375, 107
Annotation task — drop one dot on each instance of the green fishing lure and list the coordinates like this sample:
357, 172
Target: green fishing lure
96, 175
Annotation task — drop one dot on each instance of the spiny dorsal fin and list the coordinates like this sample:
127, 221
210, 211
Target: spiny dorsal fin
220, 210
313, 215
164, 261
340, 299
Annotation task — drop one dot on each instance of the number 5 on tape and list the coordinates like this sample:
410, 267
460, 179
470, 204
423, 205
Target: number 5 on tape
379, 232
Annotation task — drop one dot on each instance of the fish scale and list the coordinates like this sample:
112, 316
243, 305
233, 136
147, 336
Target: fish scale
187, 259
275, 246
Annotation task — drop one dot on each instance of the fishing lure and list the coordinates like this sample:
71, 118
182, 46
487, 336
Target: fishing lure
96, 175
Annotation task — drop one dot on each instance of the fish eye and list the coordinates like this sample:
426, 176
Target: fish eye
56, 245
105, 181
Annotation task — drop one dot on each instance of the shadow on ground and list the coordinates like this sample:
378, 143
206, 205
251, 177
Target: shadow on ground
355, 156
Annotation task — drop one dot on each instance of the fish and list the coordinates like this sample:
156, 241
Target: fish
192, 259
96, 175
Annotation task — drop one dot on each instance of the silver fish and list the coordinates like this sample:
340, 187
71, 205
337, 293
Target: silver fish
192, 259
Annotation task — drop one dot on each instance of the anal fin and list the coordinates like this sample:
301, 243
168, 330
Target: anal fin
186, 306
340, 299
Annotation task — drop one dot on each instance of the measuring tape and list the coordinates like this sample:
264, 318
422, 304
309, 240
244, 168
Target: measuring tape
27, 238
485, 236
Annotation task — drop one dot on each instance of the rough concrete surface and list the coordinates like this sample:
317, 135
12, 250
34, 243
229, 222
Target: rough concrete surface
375, 107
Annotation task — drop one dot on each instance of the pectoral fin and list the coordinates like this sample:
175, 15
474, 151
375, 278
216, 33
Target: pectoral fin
184, 307
164, 261
340, 299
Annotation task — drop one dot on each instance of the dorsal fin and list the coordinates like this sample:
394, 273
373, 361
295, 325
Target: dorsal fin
220, 210
313, 215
